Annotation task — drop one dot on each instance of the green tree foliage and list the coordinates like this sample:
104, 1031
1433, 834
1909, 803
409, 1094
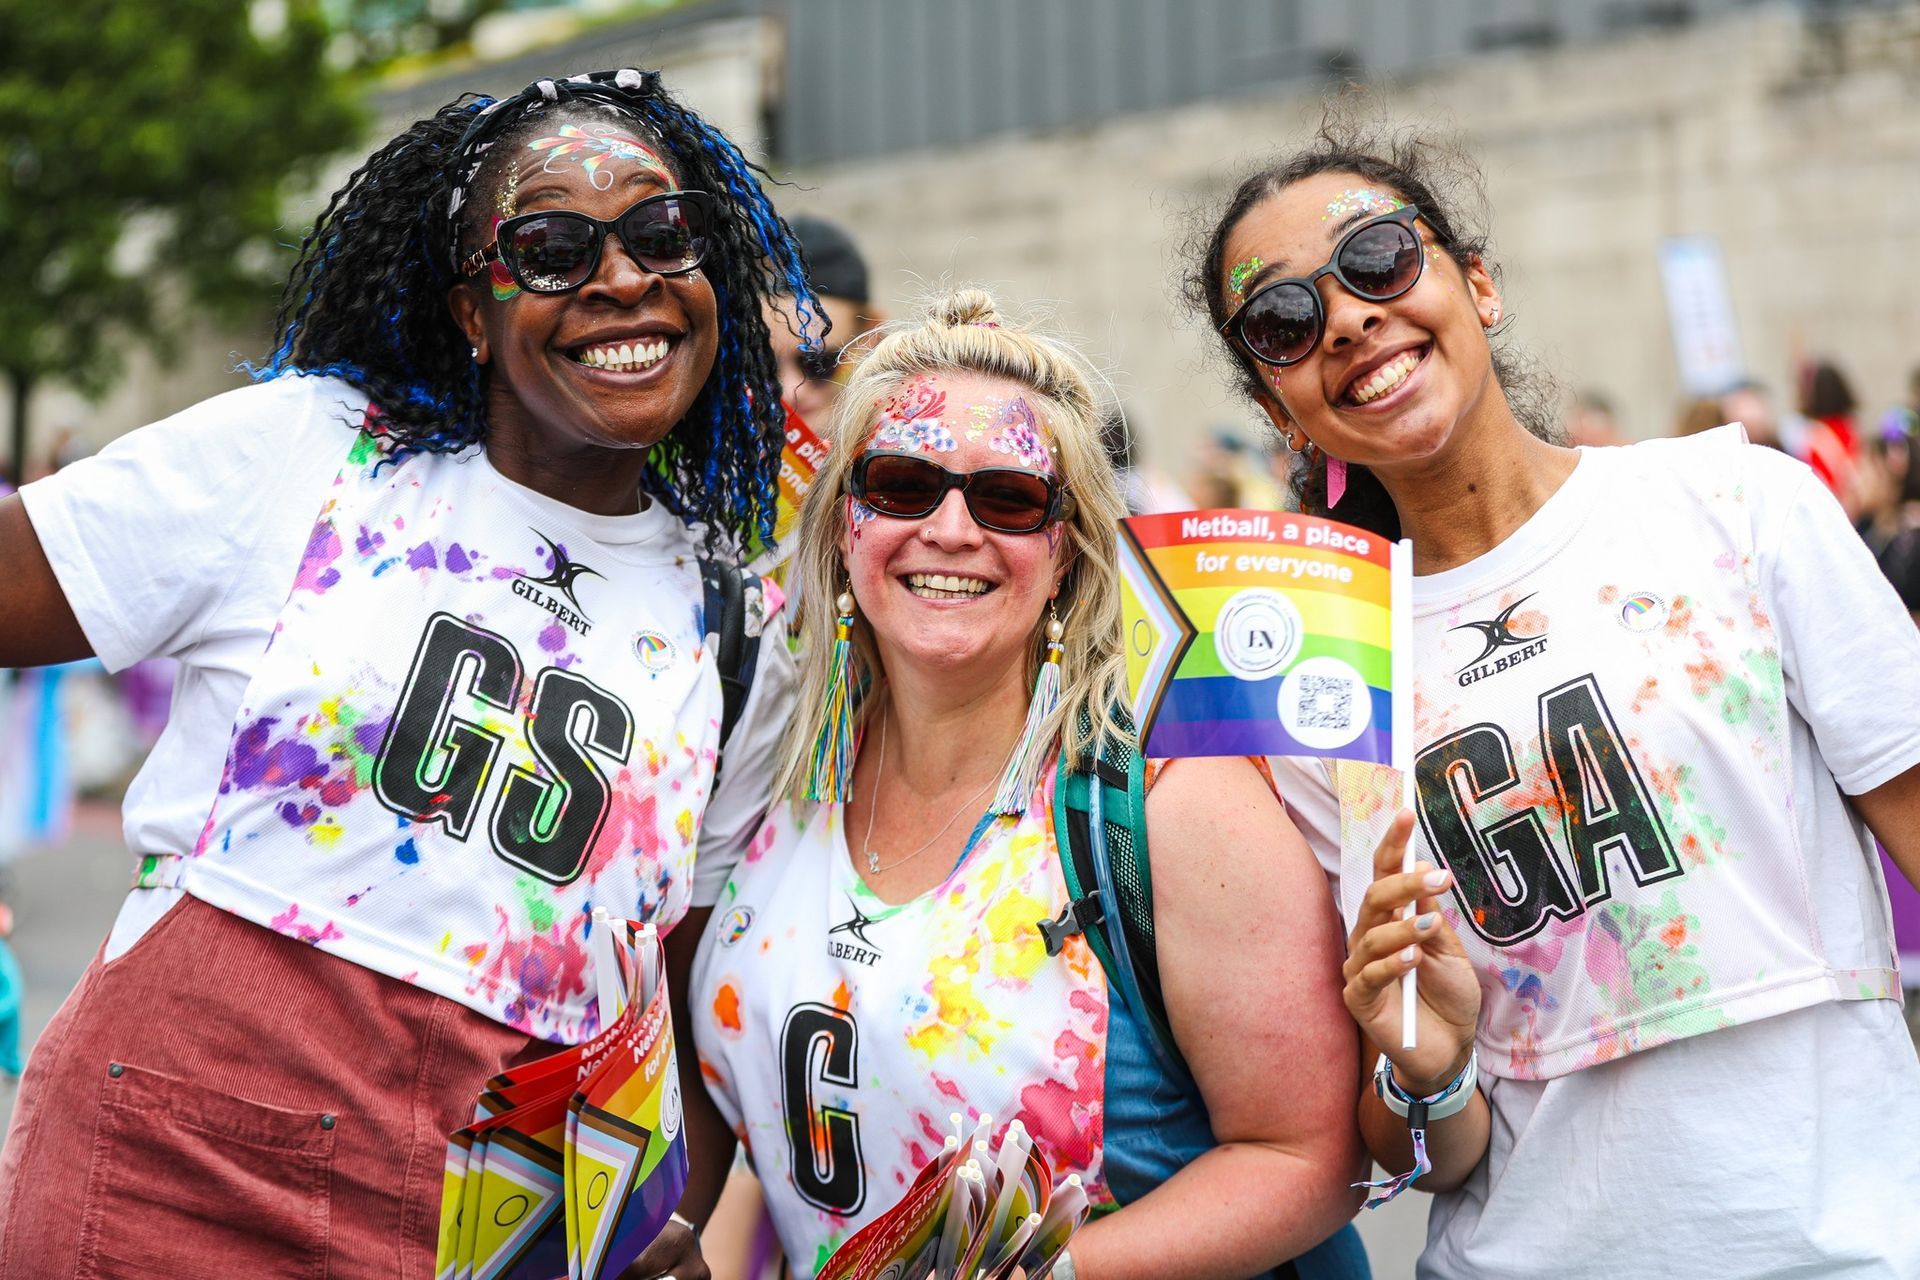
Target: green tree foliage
144, 149
385, 30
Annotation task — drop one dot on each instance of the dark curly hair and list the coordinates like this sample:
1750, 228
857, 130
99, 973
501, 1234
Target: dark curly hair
367, 300
1445, 185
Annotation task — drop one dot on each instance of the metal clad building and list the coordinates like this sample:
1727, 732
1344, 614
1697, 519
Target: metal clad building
870, 77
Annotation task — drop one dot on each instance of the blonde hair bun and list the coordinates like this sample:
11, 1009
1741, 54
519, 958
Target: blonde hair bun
965, 306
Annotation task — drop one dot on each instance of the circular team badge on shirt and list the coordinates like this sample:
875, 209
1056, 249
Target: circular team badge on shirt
1643, 611
735, 924
654, 650
1257, 633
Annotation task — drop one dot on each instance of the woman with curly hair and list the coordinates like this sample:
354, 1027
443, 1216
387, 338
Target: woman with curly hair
447, 686
1662, 698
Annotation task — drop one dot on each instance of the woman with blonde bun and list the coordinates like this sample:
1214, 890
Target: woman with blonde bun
875, 963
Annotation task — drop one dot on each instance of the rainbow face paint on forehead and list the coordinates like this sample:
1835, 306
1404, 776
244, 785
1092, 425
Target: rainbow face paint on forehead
1237, 278
593, 146
1363, 200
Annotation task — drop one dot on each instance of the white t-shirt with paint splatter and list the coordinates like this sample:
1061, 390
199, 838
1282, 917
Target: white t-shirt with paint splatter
426, 718
1638, 719
838, 1033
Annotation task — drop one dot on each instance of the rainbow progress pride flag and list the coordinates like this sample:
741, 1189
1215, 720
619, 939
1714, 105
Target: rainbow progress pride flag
800, 458
1266, 633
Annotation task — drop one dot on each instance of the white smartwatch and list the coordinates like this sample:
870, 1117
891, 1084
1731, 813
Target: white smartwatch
1421, 1112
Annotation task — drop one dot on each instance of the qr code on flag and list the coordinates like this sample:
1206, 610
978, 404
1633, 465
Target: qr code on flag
1326, 702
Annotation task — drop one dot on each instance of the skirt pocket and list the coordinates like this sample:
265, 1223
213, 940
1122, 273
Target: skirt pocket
185, 1181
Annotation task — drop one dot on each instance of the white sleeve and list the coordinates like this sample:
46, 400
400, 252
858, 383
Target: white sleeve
748, 764
1848, 648
150, 536
1306, 788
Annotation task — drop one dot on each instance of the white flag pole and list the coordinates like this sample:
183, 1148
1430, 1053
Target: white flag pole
1400, 571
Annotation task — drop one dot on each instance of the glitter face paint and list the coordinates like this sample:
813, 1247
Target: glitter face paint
1237, 278
593, 146
1364, 200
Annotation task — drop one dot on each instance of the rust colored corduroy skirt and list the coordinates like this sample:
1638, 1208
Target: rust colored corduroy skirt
225, 1101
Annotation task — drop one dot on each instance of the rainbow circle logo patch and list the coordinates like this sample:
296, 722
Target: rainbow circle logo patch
1643, 611
654, 650
734, 927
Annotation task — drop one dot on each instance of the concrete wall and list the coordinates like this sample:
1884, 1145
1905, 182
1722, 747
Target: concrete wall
1799, 147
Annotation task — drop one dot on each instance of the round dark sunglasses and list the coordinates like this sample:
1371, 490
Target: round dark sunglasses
554, 250
1003, 499
1378, 260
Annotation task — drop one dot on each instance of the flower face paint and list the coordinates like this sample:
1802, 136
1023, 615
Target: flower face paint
858, 513
593, 146
1019, 436
910, 420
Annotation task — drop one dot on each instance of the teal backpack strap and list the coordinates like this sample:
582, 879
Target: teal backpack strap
1100, 825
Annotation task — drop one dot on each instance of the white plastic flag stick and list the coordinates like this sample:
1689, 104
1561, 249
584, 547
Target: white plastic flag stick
1010, 1166
645, 959
1400, 600
958, 1229
606, 967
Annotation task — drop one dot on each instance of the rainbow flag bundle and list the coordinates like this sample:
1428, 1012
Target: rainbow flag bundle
574, 1163
970, 1214
1265, 633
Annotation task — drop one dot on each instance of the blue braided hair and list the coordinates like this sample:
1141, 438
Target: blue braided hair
366, 301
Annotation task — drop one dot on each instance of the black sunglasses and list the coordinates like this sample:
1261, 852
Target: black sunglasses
1378, 260
1004, 499
554, 250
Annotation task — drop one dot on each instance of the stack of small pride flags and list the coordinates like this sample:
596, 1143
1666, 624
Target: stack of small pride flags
970, 1214
574, 1163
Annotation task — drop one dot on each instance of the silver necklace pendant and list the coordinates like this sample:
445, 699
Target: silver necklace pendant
873, 861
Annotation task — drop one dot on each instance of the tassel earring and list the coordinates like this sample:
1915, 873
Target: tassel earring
1028, 760
831, 777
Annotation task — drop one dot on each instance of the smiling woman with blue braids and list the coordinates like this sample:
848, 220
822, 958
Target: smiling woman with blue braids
459, 648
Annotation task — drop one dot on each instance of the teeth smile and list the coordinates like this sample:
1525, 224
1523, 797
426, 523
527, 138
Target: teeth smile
623, 357
1385, 378
945, 586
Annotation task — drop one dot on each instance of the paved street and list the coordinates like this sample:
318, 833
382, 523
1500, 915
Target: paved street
64, 900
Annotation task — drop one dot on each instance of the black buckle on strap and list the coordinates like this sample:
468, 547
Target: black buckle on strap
1075, 917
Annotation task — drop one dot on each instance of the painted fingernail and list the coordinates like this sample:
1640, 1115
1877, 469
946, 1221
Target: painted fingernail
1425, 922
1409, 955
1434, 879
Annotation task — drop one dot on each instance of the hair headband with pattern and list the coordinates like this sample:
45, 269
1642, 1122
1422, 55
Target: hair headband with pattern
620, 89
